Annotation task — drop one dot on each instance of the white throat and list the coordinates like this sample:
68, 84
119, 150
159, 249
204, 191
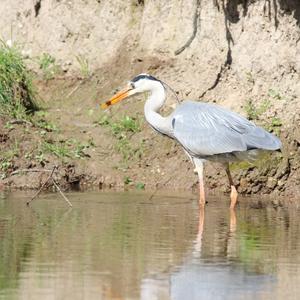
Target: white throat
152, 106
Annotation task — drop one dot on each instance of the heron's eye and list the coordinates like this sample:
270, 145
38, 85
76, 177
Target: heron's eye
132, 85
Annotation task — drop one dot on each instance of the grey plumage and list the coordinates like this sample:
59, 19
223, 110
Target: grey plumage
207, 130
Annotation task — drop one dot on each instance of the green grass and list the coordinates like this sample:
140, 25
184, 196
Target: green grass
122, 130
7, 158
58, 149
125, 125
64, 149
17, 97
274, 125
254, 112
48, 66
274, 94
84, 66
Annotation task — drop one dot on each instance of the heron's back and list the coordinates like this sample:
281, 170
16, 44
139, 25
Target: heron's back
206, 130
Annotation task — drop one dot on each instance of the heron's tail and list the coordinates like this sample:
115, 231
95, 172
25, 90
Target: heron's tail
261, 139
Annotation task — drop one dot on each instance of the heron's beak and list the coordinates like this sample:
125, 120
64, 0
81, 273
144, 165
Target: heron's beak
118, 97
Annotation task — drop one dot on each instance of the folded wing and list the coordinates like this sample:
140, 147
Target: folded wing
206, 129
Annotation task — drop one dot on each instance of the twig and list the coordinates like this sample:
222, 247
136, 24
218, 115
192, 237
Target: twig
73, 90
20, 121
38, 192
55, 184
29, 170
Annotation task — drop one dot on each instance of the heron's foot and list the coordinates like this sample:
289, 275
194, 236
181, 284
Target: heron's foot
233, 197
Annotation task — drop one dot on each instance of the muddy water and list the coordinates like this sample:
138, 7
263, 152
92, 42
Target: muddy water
125, 246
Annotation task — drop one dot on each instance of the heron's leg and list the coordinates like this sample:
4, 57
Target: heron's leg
198, 241
233, 193
232, 224
199, 169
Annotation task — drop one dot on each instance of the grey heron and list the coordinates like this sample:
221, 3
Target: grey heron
205, 131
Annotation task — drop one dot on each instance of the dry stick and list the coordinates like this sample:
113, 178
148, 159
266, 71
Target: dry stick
55, 184
74, 90
38, 192
29, 171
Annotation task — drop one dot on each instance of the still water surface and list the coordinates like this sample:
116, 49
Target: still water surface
125, 246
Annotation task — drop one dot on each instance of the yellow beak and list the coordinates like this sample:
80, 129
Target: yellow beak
116, 98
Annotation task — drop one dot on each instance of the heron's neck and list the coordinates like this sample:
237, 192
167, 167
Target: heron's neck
152, 106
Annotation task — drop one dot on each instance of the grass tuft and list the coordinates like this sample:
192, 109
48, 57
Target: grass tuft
17, 98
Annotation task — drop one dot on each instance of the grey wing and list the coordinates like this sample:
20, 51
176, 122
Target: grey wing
206, 129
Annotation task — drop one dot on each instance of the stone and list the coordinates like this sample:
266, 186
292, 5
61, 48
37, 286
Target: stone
271, 183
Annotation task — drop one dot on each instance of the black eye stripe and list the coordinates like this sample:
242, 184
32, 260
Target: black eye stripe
143, 76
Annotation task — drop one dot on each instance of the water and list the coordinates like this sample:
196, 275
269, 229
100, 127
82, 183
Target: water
125, 246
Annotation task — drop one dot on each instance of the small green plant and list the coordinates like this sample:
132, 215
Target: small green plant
127, 151
123, 147
254, 112
84, 66
40, 157
58, 149
121, 129
47, 65
274, 125
28, 155
127, 180
274, 94
103, 121
17, 97
77, 148
8, 125
45, 125
40, 121
140, 186
126, 124
250, 77
63, 149
7, 158
5, 165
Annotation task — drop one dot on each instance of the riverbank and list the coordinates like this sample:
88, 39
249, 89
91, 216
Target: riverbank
79, 69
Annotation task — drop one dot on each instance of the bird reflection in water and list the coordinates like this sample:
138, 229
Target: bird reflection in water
201, 220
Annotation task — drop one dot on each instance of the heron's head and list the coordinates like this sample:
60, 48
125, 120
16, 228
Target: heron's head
139, 84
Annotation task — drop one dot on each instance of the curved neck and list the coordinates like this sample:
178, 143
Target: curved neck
152, 106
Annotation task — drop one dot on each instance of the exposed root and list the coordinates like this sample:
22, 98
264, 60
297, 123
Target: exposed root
195, 29
228, 60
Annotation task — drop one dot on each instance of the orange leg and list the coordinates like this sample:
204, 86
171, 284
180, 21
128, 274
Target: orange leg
198, 241
201, 192
232, 224
233, 197
233, 193
199, 170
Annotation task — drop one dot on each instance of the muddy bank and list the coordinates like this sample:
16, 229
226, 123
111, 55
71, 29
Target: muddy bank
242, 56
97, 150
